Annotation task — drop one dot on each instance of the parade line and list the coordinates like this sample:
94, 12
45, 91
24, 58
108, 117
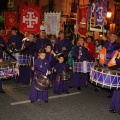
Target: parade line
51, 97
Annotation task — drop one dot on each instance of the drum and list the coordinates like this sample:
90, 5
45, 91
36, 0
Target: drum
83, 67
105, 78
64, 76
7, 69
22, 60
41, 82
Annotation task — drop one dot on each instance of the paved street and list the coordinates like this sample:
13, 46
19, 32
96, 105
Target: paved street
83, 105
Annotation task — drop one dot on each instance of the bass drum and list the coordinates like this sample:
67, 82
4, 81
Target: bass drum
41, 82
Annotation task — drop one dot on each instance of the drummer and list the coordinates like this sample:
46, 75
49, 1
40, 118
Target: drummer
115, 102
62, 45
2, 48
41, 66
14, 41
111, 47
29, 49
80, 54
60, 86
50, 57
42, 41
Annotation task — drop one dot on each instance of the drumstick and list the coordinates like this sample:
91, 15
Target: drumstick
33, 60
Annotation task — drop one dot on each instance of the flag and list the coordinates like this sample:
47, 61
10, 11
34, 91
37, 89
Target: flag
102, 56
81, 23
30, 19
10, 20
112, 61
101, 10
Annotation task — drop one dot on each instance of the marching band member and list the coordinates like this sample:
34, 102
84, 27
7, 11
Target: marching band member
42, 41
112, 47
62, 45
2, 48
60, 86
80, 53
115, 102
50, 58
41, 66
14, 41
29, 49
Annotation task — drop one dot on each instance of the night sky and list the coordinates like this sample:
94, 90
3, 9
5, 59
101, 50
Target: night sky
3, 5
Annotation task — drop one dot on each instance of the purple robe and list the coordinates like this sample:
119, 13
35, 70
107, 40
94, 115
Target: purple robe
40, 67
59, 44
0, 85
62, 86
80, 79
115, 102
2, 42
17, 39
41, 42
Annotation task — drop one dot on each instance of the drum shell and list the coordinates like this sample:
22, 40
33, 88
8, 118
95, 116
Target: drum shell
83, 67
105, 78
64, 76
41, 84
23, 60
7, 69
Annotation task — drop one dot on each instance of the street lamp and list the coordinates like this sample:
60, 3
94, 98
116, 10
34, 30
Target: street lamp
109, 14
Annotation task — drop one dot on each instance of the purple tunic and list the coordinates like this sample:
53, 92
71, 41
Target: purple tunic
61, 86
80, 79
59, 44
15, 39
40, 67
41, 42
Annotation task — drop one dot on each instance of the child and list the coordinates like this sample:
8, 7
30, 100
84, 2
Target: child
51, 59
41, 66
60, 86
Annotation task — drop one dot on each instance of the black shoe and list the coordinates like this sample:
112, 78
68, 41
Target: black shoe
96, 90
32, 101
2, 91
110, 96
46, 101
78, 88
112, 111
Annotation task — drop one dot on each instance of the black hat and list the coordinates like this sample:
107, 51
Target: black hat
14, 28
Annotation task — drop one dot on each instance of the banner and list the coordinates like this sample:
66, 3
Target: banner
52, 23
82, 23
69, 31
10, 20
101, 10
30, 19
102, 56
